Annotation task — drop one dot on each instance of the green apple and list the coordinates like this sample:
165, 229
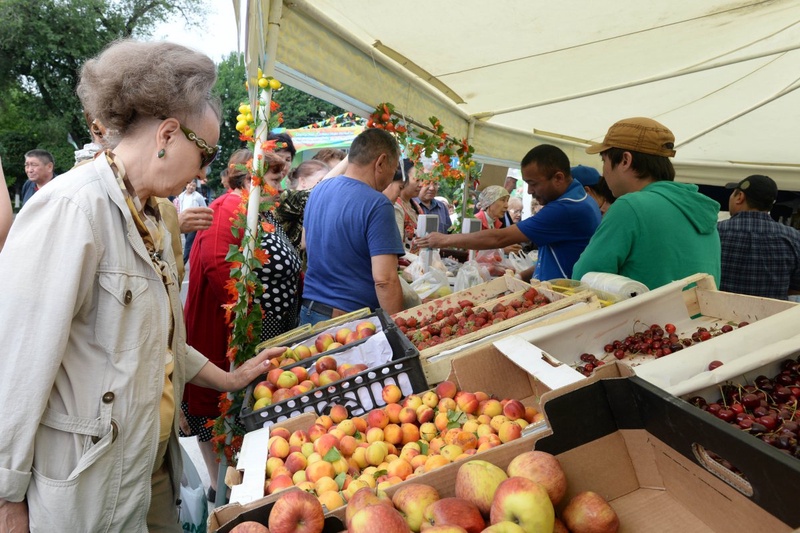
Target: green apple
477, 482
525, 503
412, 500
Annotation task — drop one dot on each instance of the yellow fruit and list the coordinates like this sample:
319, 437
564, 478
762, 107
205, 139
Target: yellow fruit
274, 84
244, 109
263, 83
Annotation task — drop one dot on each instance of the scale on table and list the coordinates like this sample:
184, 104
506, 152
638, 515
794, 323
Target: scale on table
471, 225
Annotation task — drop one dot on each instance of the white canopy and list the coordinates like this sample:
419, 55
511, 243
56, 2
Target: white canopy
515, 73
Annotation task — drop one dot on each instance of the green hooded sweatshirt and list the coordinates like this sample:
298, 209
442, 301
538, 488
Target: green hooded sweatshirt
664, 232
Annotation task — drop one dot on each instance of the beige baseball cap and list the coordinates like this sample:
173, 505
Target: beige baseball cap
638, 134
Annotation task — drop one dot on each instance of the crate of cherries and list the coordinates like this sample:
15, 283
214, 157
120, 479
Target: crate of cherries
654, 341
765, 408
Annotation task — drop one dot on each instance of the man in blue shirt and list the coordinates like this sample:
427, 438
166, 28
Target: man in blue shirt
39, 169
350, 233
431, 206
562, 228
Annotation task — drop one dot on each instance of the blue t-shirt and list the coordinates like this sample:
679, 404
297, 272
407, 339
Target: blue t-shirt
561, 230
347, 222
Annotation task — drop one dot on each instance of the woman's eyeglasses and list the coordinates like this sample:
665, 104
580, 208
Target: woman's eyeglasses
207, 153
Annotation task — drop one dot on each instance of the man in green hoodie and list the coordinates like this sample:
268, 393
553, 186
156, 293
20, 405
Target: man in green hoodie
658, 230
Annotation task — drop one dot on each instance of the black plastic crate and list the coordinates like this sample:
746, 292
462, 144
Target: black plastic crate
360, 393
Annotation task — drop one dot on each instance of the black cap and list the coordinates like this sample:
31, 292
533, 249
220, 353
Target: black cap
761, 189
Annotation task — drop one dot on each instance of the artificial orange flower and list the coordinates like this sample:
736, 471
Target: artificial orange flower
261, 256
231, 353
274, 106
267, 227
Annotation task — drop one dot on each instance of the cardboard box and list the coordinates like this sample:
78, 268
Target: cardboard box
688, 304
634, 445
487, 370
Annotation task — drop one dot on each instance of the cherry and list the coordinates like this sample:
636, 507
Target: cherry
737, 408
669, 328
743, 324
726, 414
619, 354
751, 401
704, 335
726, 328
714, 364
745, 423
769, 421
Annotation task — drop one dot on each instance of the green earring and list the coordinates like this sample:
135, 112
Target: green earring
161, 153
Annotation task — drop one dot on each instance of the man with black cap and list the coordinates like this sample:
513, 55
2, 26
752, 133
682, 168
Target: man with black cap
657, 230
760, 256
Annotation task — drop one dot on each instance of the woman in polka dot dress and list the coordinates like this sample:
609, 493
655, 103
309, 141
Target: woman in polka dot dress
206, 329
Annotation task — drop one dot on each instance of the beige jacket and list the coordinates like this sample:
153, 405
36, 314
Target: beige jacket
84, 320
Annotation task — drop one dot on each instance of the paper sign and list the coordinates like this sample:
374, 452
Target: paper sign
253, 461
535, 362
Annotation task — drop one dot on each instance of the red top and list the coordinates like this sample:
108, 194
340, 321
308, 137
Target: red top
485, 223
206, 329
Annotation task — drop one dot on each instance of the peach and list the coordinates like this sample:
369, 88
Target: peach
324, 444
393, 434
424, 414
307, 448
351, 337
347, 427
374, 435
341, 335
471, 426
273, 375
391, 394
466, 440
430, 398
509, 431
359, 457
377, 418
450, 452
322, 342
435, 461
413, 401
491, 408
361, 424
530, 413
418, 461
319, 470
481, 396
446, 389
299, 478
410, 433
272, 464
314, 379
514, 410
484, 429
467, 402
296, 461
337, 432
400, 468
300, 372
441, 421
393, 412
447, 404
338, 413
428, 431
347, 445
279, 483
334, 345
435, 445
298, 438
278, 447
316, 431
366, 329
376, 453
407, 414
331, 499
341, 369
324, 421
340, 466
303, 352
498, 421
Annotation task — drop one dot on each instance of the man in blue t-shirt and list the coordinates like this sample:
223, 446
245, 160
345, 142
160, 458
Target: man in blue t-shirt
562, 228
351, 236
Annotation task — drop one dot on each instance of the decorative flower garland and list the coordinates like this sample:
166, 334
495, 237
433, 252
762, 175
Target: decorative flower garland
242, 315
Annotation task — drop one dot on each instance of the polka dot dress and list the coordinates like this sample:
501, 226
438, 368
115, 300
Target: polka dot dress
280, 277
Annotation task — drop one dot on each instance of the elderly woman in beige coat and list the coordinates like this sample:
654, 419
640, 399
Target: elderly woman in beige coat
94, 352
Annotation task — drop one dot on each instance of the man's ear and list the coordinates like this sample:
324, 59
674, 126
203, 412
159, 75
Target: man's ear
739, 198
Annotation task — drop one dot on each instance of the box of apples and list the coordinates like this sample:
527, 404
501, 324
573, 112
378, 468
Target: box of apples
347, 365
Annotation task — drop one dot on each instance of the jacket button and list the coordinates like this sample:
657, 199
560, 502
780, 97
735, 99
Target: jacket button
108, 397
128, 297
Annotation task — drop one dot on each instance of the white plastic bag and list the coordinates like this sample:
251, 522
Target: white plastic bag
194, 506
468, 276
432, 284
520, 261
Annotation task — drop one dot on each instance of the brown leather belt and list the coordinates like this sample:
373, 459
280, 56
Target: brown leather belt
322, 309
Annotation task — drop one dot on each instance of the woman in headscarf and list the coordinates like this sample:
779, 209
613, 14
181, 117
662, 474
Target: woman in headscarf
493, 204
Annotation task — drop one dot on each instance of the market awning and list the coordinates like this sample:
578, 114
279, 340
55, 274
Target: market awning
721, 74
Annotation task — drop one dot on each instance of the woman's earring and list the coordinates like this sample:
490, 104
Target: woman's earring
161, 153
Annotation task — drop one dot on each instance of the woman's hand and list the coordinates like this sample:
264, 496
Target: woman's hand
252, 368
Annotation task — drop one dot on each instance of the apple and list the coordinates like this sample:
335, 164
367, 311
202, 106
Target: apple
351, 337
287, 380
300, 372
364, 498
297, 511
273, 375
328, 376
262, 403
290, 354
303, 352
504, 527
559, 526
412, 500
262, 390
523, 502
455, 511
323, 341
445, 529
366, 329
341, 335
477, 481
383, 518
542, 468
334, 345
326, 362
250, 527
588, 512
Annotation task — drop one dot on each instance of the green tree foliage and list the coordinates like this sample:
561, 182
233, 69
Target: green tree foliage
42, 47
301, 109
232, 92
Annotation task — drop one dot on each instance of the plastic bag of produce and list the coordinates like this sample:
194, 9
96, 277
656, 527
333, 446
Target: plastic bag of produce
468, 276
433, 284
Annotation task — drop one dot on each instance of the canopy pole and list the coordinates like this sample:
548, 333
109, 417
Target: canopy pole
468, 175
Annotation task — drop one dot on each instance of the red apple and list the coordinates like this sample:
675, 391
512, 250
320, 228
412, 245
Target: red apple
365, 329
364, 498
477, 481
383, 518
297, 511
523, 502
542, 468
455, 511
588, 512
505, 527
323, 341
351, 337
341, 335
412, 500
326, 362
250, 527
559, 526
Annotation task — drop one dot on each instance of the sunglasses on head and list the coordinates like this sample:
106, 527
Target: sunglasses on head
207, 153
